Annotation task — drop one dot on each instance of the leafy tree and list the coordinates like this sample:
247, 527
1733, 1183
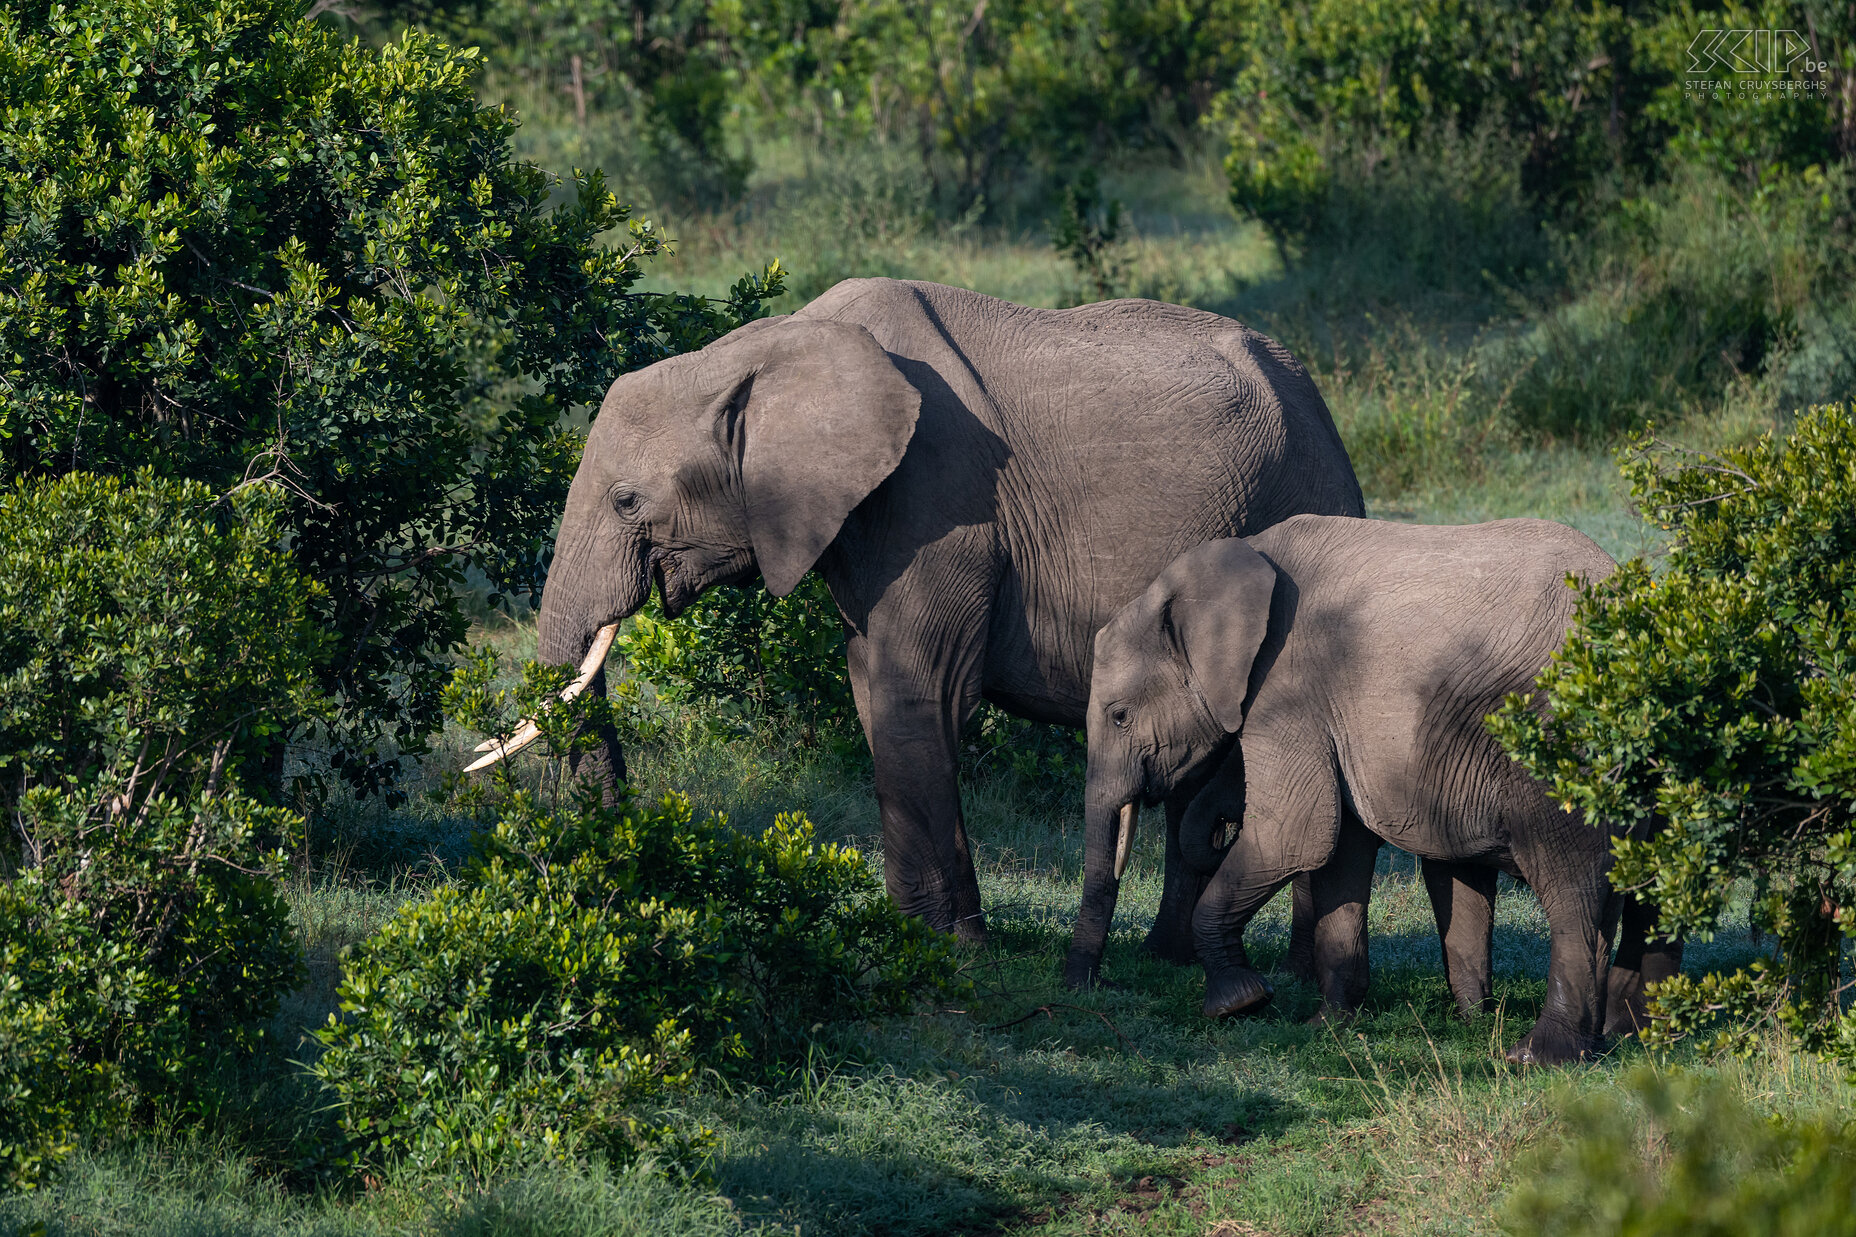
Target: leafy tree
667, 64
1333, 87
1596, 98
152, 639
990, 91
984, 92
1707, 714
1756, 134
235, 246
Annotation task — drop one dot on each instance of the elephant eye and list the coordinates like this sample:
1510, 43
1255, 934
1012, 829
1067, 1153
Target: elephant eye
1119, 715
625, 501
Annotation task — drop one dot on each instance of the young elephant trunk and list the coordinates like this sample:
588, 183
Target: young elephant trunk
1108, 834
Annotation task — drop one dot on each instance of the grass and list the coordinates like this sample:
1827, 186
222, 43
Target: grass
1035, 1110
1030, 1110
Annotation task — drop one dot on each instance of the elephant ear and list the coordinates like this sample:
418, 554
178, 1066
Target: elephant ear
823, 416
1216, 613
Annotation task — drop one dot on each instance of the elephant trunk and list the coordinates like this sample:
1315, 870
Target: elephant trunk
563, 632
590, 585
1108, 833
578, 624
1199, 829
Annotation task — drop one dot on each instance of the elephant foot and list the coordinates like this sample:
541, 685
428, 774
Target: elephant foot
1473, 1005
1082, 971
1625, 1003
1547, 1045
1330, 1015
1299, 964
971, 930
1171, 941
1235, 990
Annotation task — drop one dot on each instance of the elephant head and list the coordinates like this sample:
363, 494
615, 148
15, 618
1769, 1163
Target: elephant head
744, 457
1168, 692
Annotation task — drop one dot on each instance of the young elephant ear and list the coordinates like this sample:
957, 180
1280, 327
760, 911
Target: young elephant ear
822, 416
1216, 611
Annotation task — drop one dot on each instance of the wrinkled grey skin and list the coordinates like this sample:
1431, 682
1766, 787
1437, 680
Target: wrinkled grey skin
1357, 659
981, 486
1462, 897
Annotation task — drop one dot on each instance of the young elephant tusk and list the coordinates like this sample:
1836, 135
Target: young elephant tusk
527, 733
1124, 838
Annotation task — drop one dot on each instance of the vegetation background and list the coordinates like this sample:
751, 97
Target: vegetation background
1503, 234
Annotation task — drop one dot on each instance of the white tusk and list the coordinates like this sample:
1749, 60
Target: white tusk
500, 748
1124, 838
594, 660
527, 733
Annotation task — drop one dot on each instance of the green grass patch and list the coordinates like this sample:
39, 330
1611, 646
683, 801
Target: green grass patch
1028, 1109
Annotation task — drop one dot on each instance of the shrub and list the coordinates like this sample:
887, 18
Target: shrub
747, 655
1699, 1162
152, 640
36, 1109
1683, 289
236, 244
592, 960
1328, 83
1703, 713
1088, 231
746, 649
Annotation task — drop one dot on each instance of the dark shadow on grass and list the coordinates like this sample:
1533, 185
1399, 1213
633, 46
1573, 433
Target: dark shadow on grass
957, 1121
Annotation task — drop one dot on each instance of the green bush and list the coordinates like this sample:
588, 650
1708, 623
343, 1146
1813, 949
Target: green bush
37, 1112
153, 640
1697, 1163
1703, 713
237, 245
1684, 290
591, 961
1331, 89
744, 649
1088, 231
747, 656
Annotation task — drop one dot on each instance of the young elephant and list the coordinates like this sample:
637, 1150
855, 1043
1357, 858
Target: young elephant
1357, 659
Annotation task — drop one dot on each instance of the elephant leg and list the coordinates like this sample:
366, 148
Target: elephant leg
912, 704
1300, 960
602, 765
1463, 900
1338, 893
1292, 824
1566, 861
1194, 812
1170, 939
1643, 958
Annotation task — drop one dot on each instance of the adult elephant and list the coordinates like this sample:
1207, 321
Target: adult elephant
981, 486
